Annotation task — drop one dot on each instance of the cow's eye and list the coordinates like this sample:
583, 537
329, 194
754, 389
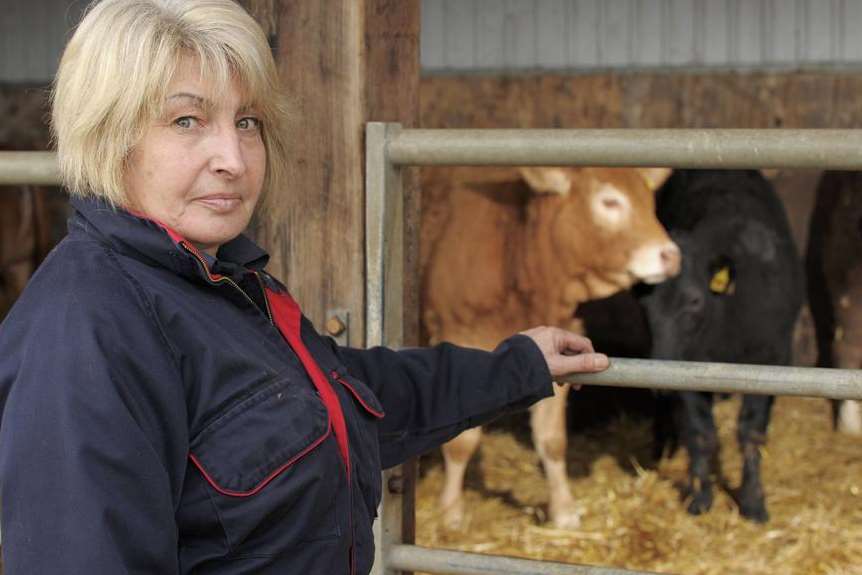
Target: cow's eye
610, 207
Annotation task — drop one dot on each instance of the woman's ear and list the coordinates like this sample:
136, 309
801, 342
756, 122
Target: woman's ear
548, 180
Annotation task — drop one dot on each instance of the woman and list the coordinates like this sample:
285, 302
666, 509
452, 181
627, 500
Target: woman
166, 408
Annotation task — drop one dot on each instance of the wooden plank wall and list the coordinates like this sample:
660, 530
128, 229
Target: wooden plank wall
644, 100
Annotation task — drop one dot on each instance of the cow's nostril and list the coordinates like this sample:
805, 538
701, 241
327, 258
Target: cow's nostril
670, 259
693, 300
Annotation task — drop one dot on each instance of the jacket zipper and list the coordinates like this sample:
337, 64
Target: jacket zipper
218, 281
265, 299
214, 281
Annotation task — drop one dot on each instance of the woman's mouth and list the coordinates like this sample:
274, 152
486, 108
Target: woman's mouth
221, 203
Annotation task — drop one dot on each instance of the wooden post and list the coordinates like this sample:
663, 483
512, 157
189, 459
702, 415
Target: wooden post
342, 63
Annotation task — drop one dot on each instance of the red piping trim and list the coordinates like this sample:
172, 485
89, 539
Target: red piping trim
368, 408
265, 480
288, 317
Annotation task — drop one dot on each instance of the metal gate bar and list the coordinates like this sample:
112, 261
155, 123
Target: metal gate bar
23, 168
828, 149
416, 558
389, 148
727, 378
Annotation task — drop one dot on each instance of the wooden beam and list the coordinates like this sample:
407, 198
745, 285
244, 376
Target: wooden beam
392, 95
342, 64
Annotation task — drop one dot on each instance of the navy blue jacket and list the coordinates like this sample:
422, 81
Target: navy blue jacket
166, 413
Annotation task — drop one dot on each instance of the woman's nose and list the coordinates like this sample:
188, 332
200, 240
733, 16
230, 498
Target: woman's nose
227, 156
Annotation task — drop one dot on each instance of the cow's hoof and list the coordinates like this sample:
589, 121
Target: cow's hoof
850, 417
755, 511
453, 516
567, 516
700, 503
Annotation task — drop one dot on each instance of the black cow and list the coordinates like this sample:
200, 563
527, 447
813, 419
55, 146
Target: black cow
736, 300
834, 266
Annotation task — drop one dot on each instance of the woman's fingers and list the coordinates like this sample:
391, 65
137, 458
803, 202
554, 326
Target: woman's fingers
567, 352
573, 343
587, 362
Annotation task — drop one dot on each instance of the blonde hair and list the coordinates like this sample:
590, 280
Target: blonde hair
114, 74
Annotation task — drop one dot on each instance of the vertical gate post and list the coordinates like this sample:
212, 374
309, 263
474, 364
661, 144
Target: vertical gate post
384, 244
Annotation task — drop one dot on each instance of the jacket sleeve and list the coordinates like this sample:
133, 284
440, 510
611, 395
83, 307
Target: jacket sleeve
91, 440
430, 395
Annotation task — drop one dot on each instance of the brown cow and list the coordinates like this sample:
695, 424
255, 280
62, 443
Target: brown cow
834, 268
525, 252
24, 239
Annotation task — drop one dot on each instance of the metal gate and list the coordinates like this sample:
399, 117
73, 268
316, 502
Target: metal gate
390, 148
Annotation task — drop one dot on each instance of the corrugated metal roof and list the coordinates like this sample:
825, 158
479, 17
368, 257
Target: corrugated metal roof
526, 35
583, 35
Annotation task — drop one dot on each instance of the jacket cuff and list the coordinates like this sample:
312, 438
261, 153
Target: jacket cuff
537, 380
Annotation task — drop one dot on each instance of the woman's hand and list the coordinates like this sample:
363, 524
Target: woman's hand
567, 352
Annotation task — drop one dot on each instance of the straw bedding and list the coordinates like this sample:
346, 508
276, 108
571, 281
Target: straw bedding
633, 513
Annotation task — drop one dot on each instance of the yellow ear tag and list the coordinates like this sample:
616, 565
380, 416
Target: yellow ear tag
720, 282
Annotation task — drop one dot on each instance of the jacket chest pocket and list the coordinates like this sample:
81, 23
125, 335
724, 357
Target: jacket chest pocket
273, 476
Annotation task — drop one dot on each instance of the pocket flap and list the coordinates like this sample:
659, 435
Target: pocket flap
255, 440
361, 392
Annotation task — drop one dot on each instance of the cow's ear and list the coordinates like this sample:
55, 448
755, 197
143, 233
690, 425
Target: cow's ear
548, 180
654, 177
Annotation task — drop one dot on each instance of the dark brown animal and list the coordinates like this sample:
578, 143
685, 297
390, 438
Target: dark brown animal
834, 268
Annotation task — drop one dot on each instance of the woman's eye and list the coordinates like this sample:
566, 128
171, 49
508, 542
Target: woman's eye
250, 124
185, 122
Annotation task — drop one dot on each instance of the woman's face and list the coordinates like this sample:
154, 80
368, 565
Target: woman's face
199, 168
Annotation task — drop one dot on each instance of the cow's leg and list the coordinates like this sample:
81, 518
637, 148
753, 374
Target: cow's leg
751, 433
456, 456
850, 417
701, 442
665, 428
848, 355
548, 422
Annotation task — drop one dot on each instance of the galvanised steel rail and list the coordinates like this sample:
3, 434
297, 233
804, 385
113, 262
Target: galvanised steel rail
416, 558
22, 168
727, 378
389, 148
827, 149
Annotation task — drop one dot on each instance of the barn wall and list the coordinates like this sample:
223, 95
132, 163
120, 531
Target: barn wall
32, 36
24, 110
645, 100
